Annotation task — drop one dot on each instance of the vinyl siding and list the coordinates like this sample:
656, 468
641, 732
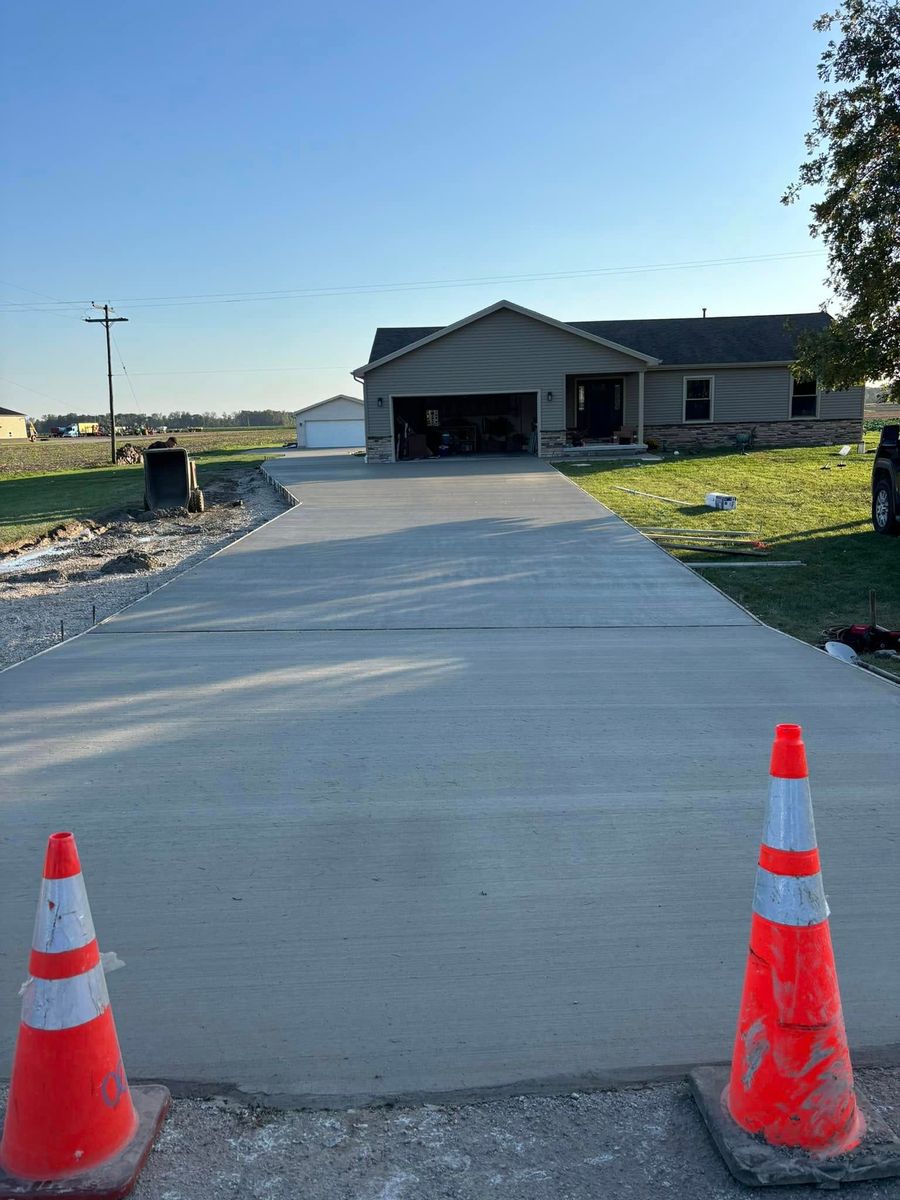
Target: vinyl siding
630, 416
839, 405
502, 352
333, 410
741, 394
378, 420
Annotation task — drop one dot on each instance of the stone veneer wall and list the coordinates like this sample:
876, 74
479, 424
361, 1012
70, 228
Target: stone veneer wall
552, 443
768, 433
379, 449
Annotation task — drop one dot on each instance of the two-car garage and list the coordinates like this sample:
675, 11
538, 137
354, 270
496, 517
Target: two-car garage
465, 424
332, 424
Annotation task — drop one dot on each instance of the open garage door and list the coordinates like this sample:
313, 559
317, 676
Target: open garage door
477, 423
333, 435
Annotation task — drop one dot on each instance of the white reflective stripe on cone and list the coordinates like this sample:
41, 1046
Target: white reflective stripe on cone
65, 1003
63, 920
790, 899
789, 816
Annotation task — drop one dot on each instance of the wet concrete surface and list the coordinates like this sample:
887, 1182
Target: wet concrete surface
348, 855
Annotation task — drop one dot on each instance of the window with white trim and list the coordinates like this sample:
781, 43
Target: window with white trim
698, 397
804, 398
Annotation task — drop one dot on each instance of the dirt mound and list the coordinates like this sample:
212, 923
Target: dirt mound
129, 563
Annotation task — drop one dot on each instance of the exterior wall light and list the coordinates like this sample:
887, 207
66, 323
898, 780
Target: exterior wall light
549, 397
381, 402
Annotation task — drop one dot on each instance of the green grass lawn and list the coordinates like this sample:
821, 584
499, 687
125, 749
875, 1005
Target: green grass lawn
68, 454
33, 501
803, 512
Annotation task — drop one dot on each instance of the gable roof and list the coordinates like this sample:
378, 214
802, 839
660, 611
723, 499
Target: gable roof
10, 412
439, 331
682, 341
319, 403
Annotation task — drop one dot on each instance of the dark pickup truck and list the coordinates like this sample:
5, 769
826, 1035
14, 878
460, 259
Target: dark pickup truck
886, 482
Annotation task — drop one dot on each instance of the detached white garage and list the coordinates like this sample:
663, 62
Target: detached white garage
332, 424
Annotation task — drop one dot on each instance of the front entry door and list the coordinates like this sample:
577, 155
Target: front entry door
600, 406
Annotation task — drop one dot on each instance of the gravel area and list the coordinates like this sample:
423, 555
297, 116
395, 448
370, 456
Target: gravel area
59, 587
642, 1143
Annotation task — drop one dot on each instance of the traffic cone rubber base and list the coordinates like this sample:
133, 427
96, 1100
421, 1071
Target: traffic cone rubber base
752, 1161
113, 1179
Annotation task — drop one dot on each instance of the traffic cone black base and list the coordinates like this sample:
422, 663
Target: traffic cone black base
111, 1180
754, 1162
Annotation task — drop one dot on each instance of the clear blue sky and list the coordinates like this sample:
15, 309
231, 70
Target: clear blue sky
182, 147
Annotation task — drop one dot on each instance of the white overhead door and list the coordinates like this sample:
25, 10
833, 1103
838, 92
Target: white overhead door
328, 435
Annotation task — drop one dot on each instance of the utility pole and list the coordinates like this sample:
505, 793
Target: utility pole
107, 320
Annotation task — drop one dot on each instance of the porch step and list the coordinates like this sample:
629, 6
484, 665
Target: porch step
603, 451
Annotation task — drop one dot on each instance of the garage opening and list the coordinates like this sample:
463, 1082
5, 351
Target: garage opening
460, 426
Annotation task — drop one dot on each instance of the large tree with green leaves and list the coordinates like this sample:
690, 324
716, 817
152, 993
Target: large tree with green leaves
853, 157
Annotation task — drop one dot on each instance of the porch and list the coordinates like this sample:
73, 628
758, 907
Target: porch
605, 414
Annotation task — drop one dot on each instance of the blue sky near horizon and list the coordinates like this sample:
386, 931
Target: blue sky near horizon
184, 149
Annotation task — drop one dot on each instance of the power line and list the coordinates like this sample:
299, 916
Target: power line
52, 312
216, 371
240, 371
124, 368
12, 383
415, 285
286, 295
68, 315
18, 287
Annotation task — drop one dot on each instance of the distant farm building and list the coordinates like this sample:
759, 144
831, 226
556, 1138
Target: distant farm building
12, 424
331, 424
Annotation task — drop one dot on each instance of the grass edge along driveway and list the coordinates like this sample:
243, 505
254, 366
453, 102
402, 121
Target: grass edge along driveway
802, 510
32, 503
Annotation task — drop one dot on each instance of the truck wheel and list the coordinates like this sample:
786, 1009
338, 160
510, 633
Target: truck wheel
196, 502
884, 516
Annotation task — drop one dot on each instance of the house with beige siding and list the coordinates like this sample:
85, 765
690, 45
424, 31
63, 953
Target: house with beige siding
507, 380
12, 424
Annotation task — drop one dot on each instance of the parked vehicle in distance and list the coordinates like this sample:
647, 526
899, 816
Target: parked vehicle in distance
886, 482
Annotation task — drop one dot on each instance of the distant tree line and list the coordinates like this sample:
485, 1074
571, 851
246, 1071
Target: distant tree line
246, 418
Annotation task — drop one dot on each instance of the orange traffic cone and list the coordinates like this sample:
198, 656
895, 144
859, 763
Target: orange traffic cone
791, 1078
791, 1083
71, 1118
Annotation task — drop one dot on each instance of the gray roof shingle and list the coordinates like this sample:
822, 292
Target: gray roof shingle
687, 341
388, 339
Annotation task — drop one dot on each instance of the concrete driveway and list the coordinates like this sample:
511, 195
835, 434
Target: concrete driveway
446, 780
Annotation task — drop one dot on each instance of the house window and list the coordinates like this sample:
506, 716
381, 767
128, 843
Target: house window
698, 397
432, 417
804, 398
